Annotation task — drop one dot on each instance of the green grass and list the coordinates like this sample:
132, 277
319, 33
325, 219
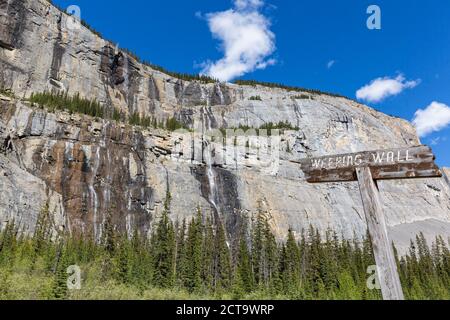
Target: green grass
38, 285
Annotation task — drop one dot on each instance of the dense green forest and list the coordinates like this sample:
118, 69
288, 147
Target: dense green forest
193, 260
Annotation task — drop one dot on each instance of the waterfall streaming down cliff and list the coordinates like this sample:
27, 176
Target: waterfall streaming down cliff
94, 197
209, 161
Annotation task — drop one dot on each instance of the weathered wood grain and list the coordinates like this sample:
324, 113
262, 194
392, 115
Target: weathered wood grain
384, 256
401, 163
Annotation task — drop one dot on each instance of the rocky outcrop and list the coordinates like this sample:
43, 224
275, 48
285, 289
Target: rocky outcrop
86, 168
43, 50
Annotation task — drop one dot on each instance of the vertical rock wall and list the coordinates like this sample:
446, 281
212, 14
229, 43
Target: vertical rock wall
89, 168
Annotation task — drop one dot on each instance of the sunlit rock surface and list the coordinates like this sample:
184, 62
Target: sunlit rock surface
87, 168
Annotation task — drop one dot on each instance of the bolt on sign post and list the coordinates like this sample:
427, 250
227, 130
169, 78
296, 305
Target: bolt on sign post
366, 168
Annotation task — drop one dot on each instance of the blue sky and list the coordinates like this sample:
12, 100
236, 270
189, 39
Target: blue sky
412, 48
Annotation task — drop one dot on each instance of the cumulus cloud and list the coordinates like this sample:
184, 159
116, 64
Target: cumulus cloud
433, 118
248, 4
381, 88
245, 37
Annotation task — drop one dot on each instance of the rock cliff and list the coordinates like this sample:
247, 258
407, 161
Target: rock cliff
85, 168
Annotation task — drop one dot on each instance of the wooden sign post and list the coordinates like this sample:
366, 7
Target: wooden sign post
367, 168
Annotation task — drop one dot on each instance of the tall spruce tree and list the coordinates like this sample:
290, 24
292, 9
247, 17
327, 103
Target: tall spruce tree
181, 258
108, 242
208, 255
271, 263
164, 249
244, 278
291, 264
194, 246
41, 236
59, 287
222, 260
257, 249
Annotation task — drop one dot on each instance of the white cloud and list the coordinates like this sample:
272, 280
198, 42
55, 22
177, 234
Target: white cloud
433, 118
381, 88
248, 4
246, 40
330, 64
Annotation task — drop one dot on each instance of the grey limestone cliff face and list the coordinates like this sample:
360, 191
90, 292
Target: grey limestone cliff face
87, 168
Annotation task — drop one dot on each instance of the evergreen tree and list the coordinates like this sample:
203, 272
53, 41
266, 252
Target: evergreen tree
290, 264
8, 252
199, 257
271, 256
222, 260
181, 258
59, 288
123, 259
108, 242
244, 278
194, 246
258, 250
208, 255
164, 249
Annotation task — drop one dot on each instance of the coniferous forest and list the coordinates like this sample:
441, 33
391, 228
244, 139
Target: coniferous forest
194, 260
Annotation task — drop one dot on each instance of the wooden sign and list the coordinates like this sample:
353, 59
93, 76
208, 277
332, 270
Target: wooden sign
413, 162
366, 168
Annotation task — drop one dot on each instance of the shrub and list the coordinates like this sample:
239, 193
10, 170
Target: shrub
182, 76
282, 125
302, 97
73, 104
285, 87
